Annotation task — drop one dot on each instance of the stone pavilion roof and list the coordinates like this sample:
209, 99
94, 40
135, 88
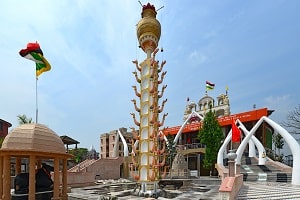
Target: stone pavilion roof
34, 138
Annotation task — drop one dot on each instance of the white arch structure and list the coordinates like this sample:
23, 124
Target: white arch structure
289, 139
178, 134
125, 146
252, 143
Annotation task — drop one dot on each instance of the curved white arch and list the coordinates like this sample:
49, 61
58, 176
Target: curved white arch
115, 151
222, 149
165, 138
178, 134
258, 144
125, 146
252, 152
136, 144
252, 142
289, 139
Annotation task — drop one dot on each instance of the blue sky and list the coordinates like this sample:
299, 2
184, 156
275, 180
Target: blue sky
253, 47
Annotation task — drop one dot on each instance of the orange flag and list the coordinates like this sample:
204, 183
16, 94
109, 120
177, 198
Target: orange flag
236, 133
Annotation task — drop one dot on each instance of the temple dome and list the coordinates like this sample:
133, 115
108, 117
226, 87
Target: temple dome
33, 137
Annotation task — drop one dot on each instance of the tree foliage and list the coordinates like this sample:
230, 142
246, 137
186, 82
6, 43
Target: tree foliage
211, 135
23, 119
171, 150
80, 154
292, 122
278, 143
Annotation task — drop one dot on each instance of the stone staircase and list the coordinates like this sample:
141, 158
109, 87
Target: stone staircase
81, 166
269, 173
268, 190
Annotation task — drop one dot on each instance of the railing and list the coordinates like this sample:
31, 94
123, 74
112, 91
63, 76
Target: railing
288, 160
191, 146
80, 166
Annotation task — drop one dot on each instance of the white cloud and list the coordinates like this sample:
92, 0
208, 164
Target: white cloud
196, 59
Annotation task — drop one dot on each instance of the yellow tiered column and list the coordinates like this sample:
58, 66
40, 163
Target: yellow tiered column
148, 172
148, 34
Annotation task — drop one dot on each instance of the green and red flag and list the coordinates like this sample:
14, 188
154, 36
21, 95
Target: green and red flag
209, 85
34, 52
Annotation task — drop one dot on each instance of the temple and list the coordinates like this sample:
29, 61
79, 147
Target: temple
188, 131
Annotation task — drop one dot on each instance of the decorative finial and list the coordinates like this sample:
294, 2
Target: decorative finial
148, 29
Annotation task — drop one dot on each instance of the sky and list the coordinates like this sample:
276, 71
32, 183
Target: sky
251, 47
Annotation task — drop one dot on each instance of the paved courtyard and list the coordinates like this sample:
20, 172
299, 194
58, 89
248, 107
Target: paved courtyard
193, 191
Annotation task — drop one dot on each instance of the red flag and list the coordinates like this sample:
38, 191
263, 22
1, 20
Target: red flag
189, 140
236, 133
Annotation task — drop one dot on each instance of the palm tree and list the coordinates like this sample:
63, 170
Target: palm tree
24, 120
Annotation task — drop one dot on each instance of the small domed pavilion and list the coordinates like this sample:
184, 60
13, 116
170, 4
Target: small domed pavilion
34, 142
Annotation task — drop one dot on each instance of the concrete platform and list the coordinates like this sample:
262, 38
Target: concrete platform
199, 189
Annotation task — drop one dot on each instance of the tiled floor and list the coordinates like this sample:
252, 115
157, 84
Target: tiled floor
269, 190
194, 191
250, 190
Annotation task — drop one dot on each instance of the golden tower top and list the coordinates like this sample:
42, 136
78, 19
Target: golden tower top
148, 29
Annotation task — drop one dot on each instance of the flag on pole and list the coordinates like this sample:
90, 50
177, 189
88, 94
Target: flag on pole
235, 132
209, 85
34, 52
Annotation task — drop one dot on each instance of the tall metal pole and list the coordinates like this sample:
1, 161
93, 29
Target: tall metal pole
36, 101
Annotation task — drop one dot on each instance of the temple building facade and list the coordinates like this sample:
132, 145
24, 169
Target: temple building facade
192, 150
189, 142
221, 107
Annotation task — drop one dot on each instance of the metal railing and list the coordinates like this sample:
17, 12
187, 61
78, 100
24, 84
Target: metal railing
191, 146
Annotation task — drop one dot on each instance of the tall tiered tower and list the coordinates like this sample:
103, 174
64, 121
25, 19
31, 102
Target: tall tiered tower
149, 156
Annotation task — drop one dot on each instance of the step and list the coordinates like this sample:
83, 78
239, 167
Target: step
270, 177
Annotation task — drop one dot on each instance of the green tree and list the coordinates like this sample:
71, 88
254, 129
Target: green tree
79, 154
23, 119
211, 135
278, 143
171, 150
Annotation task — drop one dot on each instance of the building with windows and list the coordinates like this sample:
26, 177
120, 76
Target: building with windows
4, 126
221, 108
108, 143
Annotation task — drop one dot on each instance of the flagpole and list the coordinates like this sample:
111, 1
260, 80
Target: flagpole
34, 52
36, 101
